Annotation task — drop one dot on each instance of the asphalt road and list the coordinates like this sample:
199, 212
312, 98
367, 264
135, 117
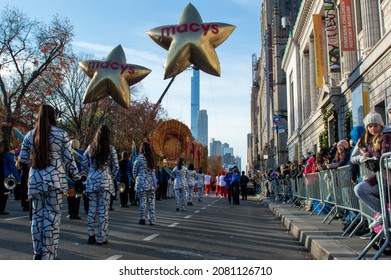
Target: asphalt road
209, 230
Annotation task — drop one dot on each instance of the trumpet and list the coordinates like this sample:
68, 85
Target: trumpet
121, 187
10, 182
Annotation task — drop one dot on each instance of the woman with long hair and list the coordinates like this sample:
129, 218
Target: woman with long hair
373, 144
191, 181
180, 184
49, 149
100, 161
146, 182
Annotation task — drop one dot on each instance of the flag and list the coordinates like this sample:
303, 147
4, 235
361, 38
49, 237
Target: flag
134, 152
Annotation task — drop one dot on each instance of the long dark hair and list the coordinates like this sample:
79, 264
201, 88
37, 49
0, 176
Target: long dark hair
100, 146
180, 163
41, 151
146, 150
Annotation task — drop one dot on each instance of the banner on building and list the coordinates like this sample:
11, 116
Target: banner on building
318, 43
348, 37
331, 28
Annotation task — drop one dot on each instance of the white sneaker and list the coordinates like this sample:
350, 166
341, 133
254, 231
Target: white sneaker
377, 222
366, 236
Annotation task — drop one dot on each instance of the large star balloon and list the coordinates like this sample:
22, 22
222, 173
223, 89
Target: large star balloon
112, 77
191, 42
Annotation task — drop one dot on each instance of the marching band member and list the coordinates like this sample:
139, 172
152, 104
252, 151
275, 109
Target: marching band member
180, 184
146, 182
51, 159
101, 164
200, 184
191, 180
75, 192
7, 168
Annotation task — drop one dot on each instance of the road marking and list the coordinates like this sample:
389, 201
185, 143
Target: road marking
203, 208
187, 217
198, 211
209, 205
114, 257
16, 218
151, 237
174, 225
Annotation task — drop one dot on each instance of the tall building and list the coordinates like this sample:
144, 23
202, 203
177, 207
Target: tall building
195, 102
202, 136
215, 148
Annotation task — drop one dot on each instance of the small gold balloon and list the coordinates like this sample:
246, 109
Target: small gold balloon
112, 77
191, 42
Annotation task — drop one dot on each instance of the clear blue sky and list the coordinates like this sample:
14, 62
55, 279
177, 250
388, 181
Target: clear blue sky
99, 26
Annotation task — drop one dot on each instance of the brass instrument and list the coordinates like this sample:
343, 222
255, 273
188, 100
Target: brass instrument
10, 182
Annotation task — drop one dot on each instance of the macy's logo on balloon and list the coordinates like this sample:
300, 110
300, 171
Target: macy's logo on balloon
190, 27
112, 65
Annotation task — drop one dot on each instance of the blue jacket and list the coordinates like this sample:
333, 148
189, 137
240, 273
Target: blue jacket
9, 166
227, 180
235, 176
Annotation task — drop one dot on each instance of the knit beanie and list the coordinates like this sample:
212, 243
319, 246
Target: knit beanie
344, 144
373, 117
356, 133
388, 107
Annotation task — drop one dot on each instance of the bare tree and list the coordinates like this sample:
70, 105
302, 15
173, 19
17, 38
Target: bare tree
28, 51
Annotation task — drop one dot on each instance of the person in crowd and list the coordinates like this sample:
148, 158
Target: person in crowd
191, 181
100, 161
333, 150
200, 184
158, 175
164, 178
222, 184
207, 183
146, 183
124, 177
342, 157
7, 168
309, 168
356, 133
217, 190
23, 175
244, 180
75, 192
48, 147
228, 185
180, 184
320, 162
374, 143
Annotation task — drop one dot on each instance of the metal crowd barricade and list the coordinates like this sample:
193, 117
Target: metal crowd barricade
345, 198
295, 190
384, 180
313, 191
302, 190
326, 187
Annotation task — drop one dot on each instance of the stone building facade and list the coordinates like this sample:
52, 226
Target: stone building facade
354, 81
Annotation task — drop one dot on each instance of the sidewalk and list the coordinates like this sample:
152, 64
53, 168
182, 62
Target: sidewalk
324, 241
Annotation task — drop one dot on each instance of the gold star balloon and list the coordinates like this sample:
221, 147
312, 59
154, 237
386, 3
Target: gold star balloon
191, 42
112, 77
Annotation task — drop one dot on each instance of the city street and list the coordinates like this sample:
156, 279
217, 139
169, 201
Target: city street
209, 230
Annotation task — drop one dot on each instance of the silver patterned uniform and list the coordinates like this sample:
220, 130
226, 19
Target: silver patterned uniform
180, 187
146, 184
46, 188
99, 189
